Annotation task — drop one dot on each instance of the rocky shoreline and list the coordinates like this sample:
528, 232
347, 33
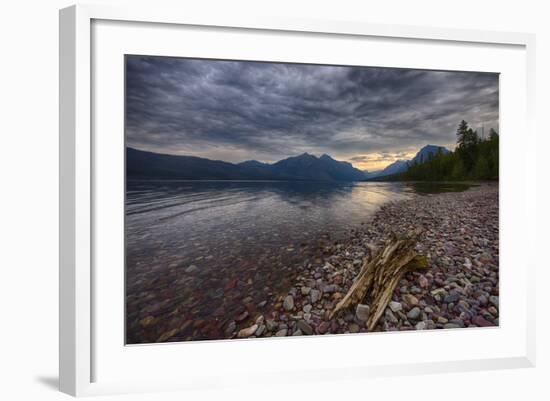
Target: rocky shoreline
460, 289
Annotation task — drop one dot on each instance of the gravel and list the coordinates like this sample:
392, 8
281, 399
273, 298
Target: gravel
460, 289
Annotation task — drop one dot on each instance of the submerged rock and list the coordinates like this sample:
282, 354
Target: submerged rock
191, 269
230, 328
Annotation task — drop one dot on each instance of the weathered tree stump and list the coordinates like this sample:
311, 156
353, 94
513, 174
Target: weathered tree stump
380, 274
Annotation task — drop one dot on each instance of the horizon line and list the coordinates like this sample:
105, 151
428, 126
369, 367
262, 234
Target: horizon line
288, 157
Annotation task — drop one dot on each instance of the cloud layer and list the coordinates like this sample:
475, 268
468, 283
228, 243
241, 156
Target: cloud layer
235, 111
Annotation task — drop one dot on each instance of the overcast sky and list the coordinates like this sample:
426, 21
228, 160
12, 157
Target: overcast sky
235, 111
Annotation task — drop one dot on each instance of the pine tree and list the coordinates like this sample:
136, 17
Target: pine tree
473, 137
462, 134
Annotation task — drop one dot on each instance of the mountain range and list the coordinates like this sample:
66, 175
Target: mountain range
305, 167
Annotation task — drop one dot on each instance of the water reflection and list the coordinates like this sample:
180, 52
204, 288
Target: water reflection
426, 188
196, 251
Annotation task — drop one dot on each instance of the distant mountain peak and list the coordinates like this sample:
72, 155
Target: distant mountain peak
310, 167
253, 163
310, 156
428, 151
434, 148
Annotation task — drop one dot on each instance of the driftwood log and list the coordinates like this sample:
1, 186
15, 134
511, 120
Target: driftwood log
380, 274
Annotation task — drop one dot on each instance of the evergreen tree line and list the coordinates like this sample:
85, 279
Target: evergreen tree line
474, 158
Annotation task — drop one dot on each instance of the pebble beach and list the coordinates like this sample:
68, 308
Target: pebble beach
459, 289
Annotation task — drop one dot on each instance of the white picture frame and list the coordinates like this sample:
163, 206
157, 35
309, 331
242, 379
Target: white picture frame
81, 346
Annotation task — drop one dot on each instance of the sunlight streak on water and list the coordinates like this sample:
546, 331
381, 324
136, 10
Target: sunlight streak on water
205, 246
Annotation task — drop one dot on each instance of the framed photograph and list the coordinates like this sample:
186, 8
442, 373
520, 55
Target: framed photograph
339, 199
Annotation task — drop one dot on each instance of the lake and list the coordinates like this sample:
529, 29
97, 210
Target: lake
196, 251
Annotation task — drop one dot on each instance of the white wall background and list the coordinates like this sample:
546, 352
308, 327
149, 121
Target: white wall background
29, 199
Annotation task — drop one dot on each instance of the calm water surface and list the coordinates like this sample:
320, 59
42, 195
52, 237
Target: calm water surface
198, 250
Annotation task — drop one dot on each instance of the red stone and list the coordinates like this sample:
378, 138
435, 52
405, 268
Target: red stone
199, 323
242, 316
481, 321
323, 327
230, 284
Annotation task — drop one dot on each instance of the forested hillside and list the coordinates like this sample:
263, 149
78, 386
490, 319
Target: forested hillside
474, 158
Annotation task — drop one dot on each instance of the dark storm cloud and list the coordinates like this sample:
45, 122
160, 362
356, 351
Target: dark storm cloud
242, 110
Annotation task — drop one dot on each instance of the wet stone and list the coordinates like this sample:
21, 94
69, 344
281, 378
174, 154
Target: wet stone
410, 299
395, 306
421, 326
423, 282
260, 330
242, 316
146, 321
270, 324
414, 313
390, 317
481, 321
230, 329
323, 327
248, 331
191, 269
452, 297
315, 296
281, 333
415, 290
288, 303
458, 322
329, 289
304, 327
492, 310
